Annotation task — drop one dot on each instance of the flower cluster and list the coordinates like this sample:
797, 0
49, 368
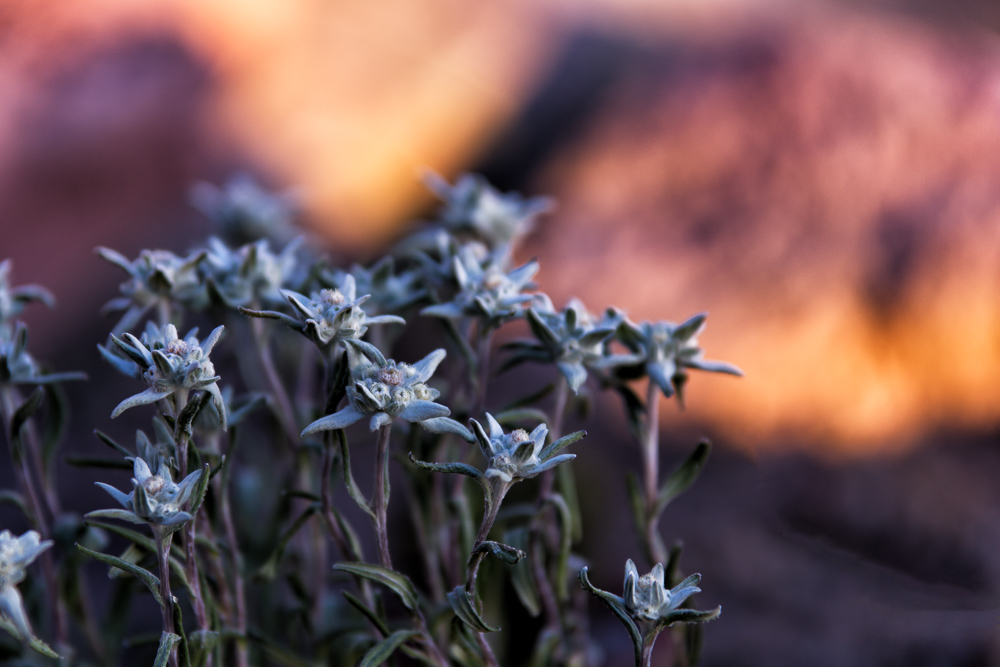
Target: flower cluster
250, 274
171, 366
385, 389
245, 212
155, 498
474, 206
666, 350
518, 455
156, 278
485, 290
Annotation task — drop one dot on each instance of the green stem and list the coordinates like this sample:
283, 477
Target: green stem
651, 464
163, 540
382, 495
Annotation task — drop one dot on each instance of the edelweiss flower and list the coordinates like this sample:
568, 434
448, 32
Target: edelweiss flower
647, 598
251, 273
485, 290
156, 276
390, 291
16, 553
386, 390
155, 498
518, 455
330, 315
171, 366
473, 205
244, 211
667, 350
570, 339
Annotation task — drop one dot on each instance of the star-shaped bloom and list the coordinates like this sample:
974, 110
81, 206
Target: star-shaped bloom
16, 553
252, 273
383, 390
648, 606
171, 366
155, 498
474, 206
667, 350
519, 455
244, 211
330, 315
571, 339
485, 290
156, 276
390, 291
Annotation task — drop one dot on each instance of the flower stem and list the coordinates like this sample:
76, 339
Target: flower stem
382, 495
163, 541
286, 414
484, 342
651, 464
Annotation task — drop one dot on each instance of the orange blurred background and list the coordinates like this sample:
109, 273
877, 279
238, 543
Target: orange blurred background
822, 178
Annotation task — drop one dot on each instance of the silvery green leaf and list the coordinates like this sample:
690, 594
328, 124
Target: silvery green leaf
396, 582
521, 275
502, 552
448, 425
483, 439
167, 642
714, 367
12, 611
682, 478
520, 575
617, 607
523, 452
193, 487
385, 319
123, 366
352, 487
541, 330
662, 373
574, 373
367, 349
451, 467
383, 650
465, 609
209, 343
367, 612
144, 398
337, 420
425, 368
378, 420
115, 258
449, 310
290, 322
140, 355
565, 540
595, 336
690, 616
561, 444
690, 327
121, 515
298, 302
122, 499
418, 410
219, 403
551, 463
151, 581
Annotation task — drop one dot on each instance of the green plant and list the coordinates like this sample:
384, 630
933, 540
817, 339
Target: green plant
241, 544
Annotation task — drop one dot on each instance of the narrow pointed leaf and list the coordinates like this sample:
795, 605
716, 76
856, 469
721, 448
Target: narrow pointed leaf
367, 612
151, 581
617, 607
560, 444
382, 651
502, 552
145, 398
167, 642
24, 412
394, 581
448, 425
352, 487
520, 574
465, 609
682, 478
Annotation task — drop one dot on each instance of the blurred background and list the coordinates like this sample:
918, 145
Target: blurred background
821, 177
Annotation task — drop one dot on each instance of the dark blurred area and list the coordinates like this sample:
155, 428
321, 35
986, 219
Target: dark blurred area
822, 178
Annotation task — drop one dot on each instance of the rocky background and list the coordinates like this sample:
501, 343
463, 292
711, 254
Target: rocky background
823, 178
